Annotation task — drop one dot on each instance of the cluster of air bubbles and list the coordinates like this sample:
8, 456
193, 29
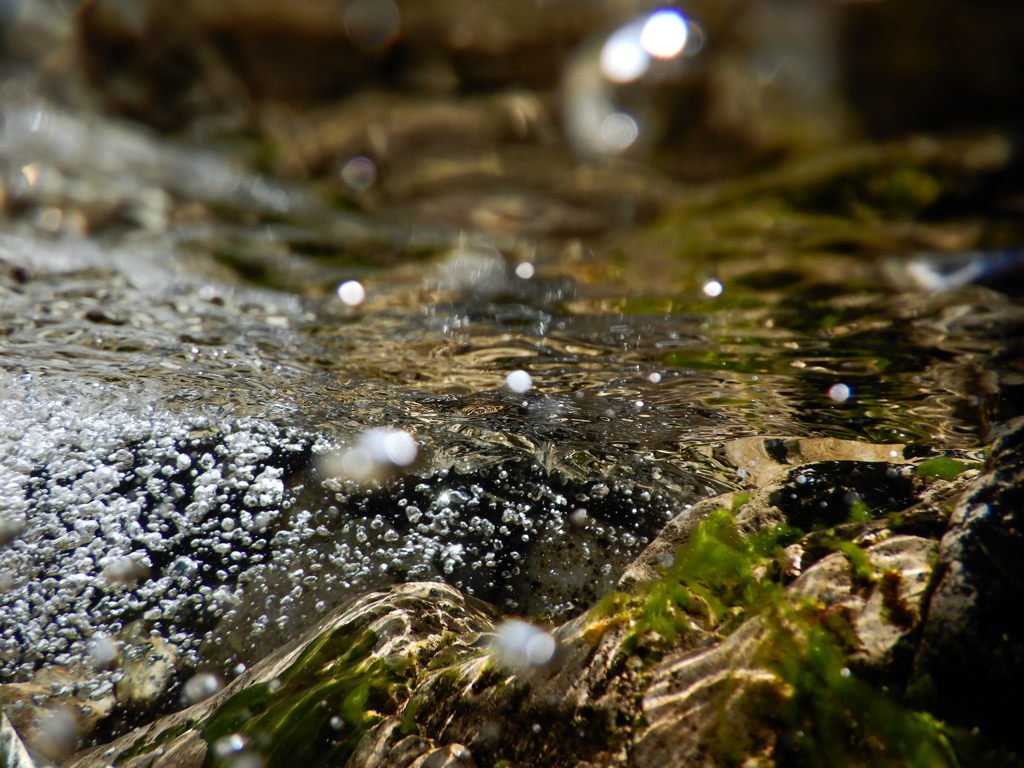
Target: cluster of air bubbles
371, 25
519, 381
594, 121
520, 647
378, 454
352, 293
839, 393
359, 173
199, 688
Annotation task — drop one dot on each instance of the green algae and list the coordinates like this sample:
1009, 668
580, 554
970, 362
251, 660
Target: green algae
831, 717
943, 468
712, 577
317, 710
145, 744
863, 571
824, 715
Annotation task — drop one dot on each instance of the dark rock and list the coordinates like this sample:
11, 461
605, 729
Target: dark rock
973, 640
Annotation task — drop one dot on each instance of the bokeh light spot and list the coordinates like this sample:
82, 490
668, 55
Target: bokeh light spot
618, 131
664, 35
371, 24
623, 59
359, 173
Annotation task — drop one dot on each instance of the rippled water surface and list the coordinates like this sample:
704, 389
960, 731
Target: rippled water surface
183, 385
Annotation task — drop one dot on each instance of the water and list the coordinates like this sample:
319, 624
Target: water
571, 347
175, 429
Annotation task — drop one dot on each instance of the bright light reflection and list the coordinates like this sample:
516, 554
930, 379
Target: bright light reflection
840, 393
618, 131
623, 59
352, 293
664, 35
712, 288
524, 270
519, 381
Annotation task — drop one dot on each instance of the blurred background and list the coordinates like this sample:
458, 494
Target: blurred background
548, 118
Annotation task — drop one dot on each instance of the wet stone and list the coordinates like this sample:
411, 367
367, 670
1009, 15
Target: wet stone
825, 494
979, 576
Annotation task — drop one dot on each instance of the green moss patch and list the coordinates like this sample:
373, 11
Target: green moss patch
315, 713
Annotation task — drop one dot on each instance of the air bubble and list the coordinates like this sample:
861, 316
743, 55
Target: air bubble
102, 651
519, 381
200, 687
378, 453
359, 173
840, 393
125, 571
352, 293
520, 646
371, 24
229, 745
10, 529
712, 288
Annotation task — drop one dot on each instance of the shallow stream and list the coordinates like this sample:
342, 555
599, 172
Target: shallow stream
182, 381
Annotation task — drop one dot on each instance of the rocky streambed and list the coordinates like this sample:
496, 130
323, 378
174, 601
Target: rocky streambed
400, 423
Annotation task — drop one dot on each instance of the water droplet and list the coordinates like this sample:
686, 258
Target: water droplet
56, 735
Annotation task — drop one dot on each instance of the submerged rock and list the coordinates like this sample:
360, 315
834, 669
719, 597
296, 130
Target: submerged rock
713, 661
979, 576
